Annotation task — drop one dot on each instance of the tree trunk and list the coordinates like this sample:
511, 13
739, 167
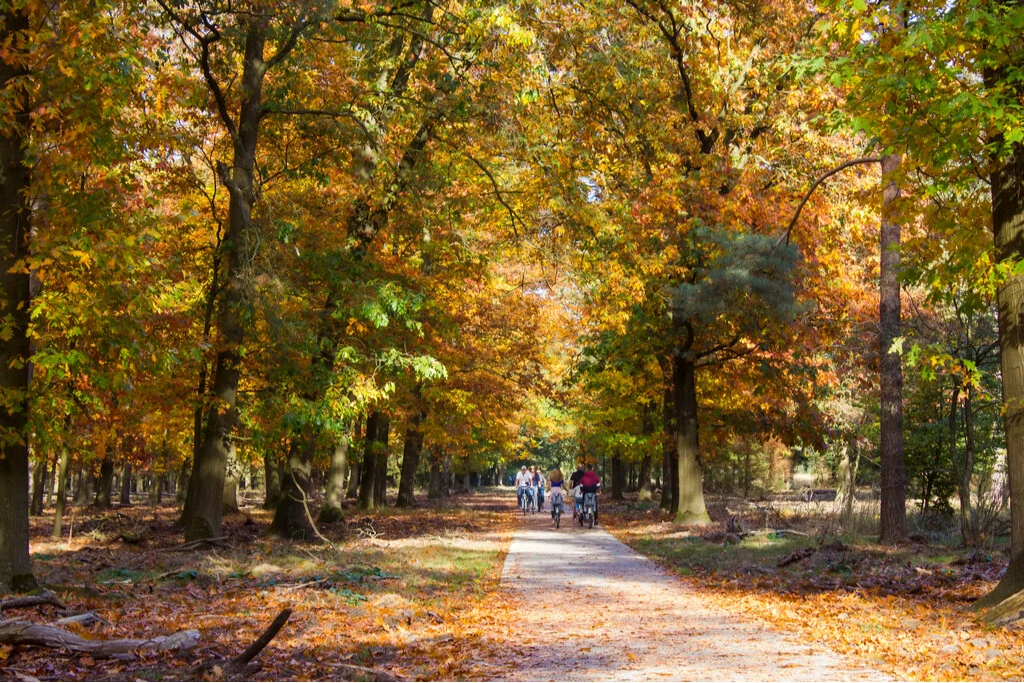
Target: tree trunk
962, 467
647, 429
618, 477
272, 475
229, 497
410, 463
81, 487
1008, 227
52, 486
334, 495
354, 474
38, 488
380, 477
290, 518
184, 481
203, 511
62, 487
436, 485
126, 485
156, 484
369, 467
644, 479
974, 536
691, 480
447, 477
847, 486
669, 471
894, 494
104, 483
355, 465
15, 186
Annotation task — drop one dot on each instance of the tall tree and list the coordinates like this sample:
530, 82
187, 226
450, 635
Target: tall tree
205, 29
893, 527
15, 236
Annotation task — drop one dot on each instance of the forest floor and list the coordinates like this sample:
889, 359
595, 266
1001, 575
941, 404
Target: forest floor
403, 593
418, 594
903, 610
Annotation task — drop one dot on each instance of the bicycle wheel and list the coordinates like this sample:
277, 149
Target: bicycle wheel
590, 520
558, 519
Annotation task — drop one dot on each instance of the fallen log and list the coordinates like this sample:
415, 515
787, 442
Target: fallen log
796, 556
87, 619
43, 598
24, 632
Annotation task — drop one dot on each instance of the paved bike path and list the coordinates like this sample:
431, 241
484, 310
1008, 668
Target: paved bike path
601, 611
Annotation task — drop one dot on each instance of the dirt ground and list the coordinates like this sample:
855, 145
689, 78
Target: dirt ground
587, 607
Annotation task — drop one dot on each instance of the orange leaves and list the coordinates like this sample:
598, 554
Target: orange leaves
914, 624
416, 600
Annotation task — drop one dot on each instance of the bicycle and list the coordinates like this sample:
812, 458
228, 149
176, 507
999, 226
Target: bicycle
589, 510
524, 499
531, 499
556, 507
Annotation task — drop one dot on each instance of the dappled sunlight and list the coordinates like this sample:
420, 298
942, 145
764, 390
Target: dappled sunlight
491, 542
407, 601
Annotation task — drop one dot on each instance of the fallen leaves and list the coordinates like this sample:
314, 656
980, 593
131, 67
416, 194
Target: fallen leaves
415, 607
906, 614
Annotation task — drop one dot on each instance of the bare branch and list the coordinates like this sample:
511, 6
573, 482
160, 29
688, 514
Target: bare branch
289, 44
204, 63
852, 162
499, 195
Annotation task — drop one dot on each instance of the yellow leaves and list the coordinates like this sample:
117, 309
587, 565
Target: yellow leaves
84, 258
356, 327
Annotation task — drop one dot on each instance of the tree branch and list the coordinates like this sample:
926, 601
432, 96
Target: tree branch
513, 216
852, 162
204, 63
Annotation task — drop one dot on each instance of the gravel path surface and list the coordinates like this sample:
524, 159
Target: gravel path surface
604, 612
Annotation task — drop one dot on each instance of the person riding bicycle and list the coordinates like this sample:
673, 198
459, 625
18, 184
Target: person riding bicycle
574, 483
523, 482
590, 483
557, 491
574, 478
538, 485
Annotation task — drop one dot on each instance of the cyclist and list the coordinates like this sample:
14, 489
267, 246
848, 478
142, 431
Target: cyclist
577, 495
538, 483
590, 483
523, 482
557, 488
574, 478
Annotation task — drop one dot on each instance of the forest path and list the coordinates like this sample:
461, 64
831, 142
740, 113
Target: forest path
598, 610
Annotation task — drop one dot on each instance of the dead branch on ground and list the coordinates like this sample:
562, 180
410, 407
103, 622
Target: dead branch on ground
240, 664
43, 598
24, 632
